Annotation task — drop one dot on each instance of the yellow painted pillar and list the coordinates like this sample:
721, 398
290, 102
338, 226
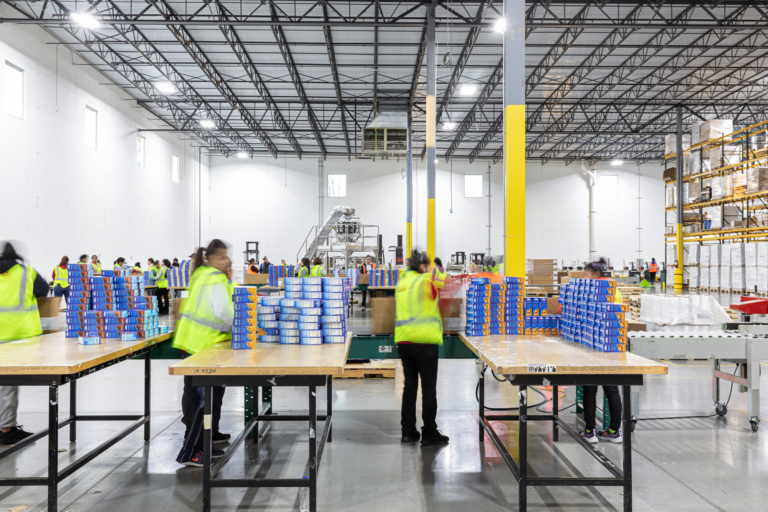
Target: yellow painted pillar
431, 121
679, 162
514, 138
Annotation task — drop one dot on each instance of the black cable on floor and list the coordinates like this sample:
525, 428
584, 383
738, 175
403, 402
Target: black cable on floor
477, 397
697, 417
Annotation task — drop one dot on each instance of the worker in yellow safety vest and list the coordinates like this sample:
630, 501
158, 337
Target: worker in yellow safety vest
596, 270
96, 264
318, 270
61, 279
304, 268
491, 265
418, 333
439, 276
20, 285
118, 265
206, 319
136, 268
161, 278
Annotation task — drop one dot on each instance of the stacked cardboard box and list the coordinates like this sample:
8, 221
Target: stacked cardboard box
739, 184
537, 320
590, 315
757, 179
540, 272
750, 266
715, 129
723, 156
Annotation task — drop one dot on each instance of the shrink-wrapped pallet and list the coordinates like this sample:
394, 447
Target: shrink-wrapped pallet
670, 143
757, 179
670, 195
715, 259
693, 277
725, 269
757, 141
723, 156
697, 164
762, 267
691, 253
739, 184
714, 129
704, 256
722, 187
695, 131
694, 192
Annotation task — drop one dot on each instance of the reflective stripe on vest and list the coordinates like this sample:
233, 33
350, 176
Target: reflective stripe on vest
317, 271
19, 317
417, 317
62, 277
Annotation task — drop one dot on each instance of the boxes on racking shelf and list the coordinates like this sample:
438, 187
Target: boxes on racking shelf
591, 317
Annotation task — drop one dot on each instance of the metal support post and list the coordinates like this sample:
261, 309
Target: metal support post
409, 206
320, 192
489, 209
481, 411
555, 415
431, 132
679, 209
312, 449
147, 393
53, 447
73, 411
255, 408
523, 442
514, 139
207, 447
329, 406
626, 434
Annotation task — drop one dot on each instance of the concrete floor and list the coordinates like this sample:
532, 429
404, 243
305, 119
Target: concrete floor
679, 465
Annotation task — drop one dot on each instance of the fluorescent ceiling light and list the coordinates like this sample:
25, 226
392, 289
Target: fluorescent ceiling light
242, 154
449, 125
84, 20
207, 123
165, 87
468, 90
617, 162
500, 26
437, 161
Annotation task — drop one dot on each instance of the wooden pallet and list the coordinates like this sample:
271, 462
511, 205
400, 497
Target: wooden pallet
531, 291
368, 371
733, 314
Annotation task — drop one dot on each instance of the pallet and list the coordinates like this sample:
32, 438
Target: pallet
384, 370
532, 291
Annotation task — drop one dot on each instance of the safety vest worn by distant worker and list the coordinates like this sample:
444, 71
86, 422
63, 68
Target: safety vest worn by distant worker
199, 326
417, 317
317, 271
19, 317
494, 269
438, 278
162, 281
653, 267
62, 277
96, 268
303, 272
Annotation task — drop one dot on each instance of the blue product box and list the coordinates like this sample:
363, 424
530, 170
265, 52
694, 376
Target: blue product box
480, 280
129, 336
245, 306
333, 289
288, 325
312, 280
273, 301
311, 288
245, 298
89, 340
332, 318
245, 329
308, 320
290, 340
311, 311
311, 341
242, 345
268, 324
253, 322
334, 311
332, 296
242, 338
269, 331
334, 304
289, 317
290, 332
268, 318
264, 338
333, 280
79, 294
312, 295
334, 332
284, 303
294, 294
334, 339
246, 290
294, 288
335, 325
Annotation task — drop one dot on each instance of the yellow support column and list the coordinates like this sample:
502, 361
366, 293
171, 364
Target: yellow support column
431, 128
514, 138
678, 287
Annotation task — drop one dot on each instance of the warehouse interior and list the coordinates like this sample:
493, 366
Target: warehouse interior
516, 140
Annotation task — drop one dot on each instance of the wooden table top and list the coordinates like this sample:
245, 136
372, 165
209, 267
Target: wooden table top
520, 355
267, 359
53, 354
370, 287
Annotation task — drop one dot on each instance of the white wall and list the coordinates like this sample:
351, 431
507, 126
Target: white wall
61, 197
278, 205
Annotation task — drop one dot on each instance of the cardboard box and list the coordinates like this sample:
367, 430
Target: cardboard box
553, 305
575, 274
49, 314
541, 262
670, 174
635, 325
548, 272
364, 279
256, 279
383, 315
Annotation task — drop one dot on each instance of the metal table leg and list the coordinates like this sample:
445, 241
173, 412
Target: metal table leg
627, 448
255, 407
481, 410
312, 449
53, 447
753, 393
329, 407
207, 448
555, 416
147, 393
73, 411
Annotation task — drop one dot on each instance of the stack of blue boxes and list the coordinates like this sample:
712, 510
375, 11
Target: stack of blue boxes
279, 272
393, 276
179, 277
310, 332
514, 312
537, 321
245, 327
336, 292
486, 307
79, 301
378, 277
590, 315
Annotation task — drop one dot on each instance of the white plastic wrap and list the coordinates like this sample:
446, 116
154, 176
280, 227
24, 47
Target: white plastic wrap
714, 276
762, 279
725, 256
693, 276
757, 179
750, 255
670, 143
691, 253
693, 193
715, 255
722, 187
739, 185
762, 254
695, 130
704, 277
725, 278
671, 195
723, 156
681, 310
750, 278
704, 256
696, 164
714, 129
738, 277
737, 255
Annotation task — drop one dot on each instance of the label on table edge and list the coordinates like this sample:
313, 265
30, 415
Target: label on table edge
542, 368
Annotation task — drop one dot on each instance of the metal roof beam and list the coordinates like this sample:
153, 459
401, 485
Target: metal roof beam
336, 81
277, 30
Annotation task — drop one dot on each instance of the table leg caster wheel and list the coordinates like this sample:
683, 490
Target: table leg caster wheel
632, 425
721, 410
755, 424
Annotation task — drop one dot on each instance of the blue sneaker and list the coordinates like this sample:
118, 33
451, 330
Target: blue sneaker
606, 435
589, 436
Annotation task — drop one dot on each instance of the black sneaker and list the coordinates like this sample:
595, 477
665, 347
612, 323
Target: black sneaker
196, 461
13, 436
219, 438
410, 436
434, 437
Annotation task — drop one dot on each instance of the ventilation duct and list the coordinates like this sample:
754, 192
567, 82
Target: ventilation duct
386, 135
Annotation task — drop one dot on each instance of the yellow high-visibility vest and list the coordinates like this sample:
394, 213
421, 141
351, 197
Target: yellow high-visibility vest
417, 318
19, 317
199, 326
62, 277
317, 271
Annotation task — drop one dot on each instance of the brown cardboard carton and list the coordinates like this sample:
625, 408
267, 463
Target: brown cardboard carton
256, 278
670, 174
635, 325
552, 305
49, 314
575, 274
383, 315
549, 272
364, 279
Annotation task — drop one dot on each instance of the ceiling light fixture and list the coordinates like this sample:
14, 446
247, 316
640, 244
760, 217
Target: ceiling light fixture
500, 26
617, 162
468, 90
449, 125
242, 154
207, 123
165, 87
84, 20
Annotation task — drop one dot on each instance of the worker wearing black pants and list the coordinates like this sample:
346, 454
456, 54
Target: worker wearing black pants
419, 361
590, 405
189, 399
